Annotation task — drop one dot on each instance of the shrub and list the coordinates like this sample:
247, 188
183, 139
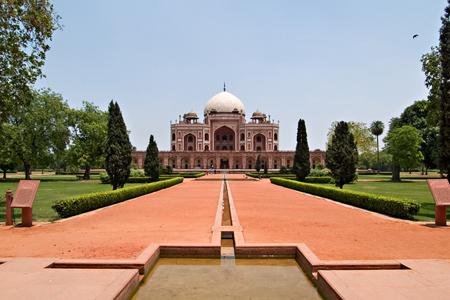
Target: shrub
104, 178
136, 173
323, 179
283, 170
87, 202
395, 207
320, 172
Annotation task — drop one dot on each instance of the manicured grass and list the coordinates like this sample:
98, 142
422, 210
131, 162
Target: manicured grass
49, 192
415, 190
403, 175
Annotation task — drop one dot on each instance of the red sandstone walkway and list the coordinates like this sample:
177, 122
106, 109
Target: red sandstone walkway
272, 214
181, 214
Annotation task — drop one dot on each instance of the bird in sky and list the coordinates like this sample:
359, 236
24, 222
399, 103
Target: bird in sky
414, 36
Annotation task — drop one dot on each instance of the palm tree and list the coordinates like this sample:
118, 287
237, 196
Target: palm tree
377, 128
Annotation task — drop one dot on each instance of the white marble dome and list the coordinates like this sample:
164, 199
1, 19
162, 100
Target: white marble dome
224, 102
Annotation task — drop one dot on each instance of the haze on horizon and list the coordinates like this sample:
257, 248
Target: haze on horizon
348, 60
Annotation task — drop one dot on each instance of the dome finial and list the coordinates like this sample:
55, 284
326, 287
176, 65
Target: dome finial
224, 87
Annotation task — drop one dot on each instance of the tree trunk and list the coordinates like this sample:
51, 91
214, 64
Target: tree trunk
4, 174
87, 173
27, 167
396, 173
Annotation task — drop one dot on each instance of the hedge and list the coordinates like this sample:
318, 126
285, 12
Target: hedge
309, 179
395, 207
321, 179
87, 202
104, 178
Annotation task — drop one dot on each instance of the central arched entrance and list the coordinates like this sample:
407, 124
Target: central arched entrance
224, 163
224, 139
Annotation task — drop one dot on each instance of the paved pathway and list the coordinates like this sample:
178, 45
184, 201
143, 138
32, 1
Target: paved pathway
181, 214
272, 214
268, 214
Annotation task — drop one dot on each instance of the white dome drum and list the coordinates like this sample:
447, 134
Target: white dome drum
224, 102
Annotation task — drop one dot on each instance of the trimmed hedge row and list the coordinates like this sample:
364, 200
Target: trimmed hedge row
309, 179
87, 202
104, 178
395, 207
322, 179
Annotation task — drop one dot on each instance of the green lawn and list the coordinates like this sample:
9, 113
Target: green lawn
49, 192
415, 190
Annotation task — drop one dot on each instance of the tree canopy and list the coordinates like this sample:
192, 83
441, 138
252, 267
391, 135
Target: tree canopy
342, 154
431, 66
151, 163
38, 133
444, 47
26, 27
301, 158
404, 144
118, 148
89, 129
365, 142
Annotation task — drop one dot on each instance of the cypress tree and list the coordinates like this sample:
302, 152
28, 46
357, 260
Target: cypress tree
342, 155
151, 163
258, 163
302, 165
445, 93
118, 148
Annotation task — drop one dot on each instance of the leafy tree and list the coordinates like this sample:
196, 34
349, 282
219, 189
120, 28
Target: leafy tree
429, 148
89, 129
381, 161
417, 116
361, 133
38, 131
445, 92
258, 163
7, 159
404, 145
118, 148
431, 66
377, 128
302, 165
26, 27
151, 163
265, 168
342, 155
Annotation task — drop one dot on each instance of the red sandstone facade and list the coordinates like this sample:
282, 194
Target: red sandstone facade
225, 140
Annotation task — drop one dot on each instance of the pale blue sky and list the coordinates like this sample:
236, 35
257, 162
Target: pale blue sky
318, 60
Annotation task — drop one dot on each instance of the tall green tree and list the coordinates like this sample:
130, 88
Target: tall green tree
417, 115
151, 163
89, 130
26, 27
302, 165
404, 145
445, 92
430, 148
377, 128
118, 148
431, 66
342, 155
39, 132
7, 158
258, 163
